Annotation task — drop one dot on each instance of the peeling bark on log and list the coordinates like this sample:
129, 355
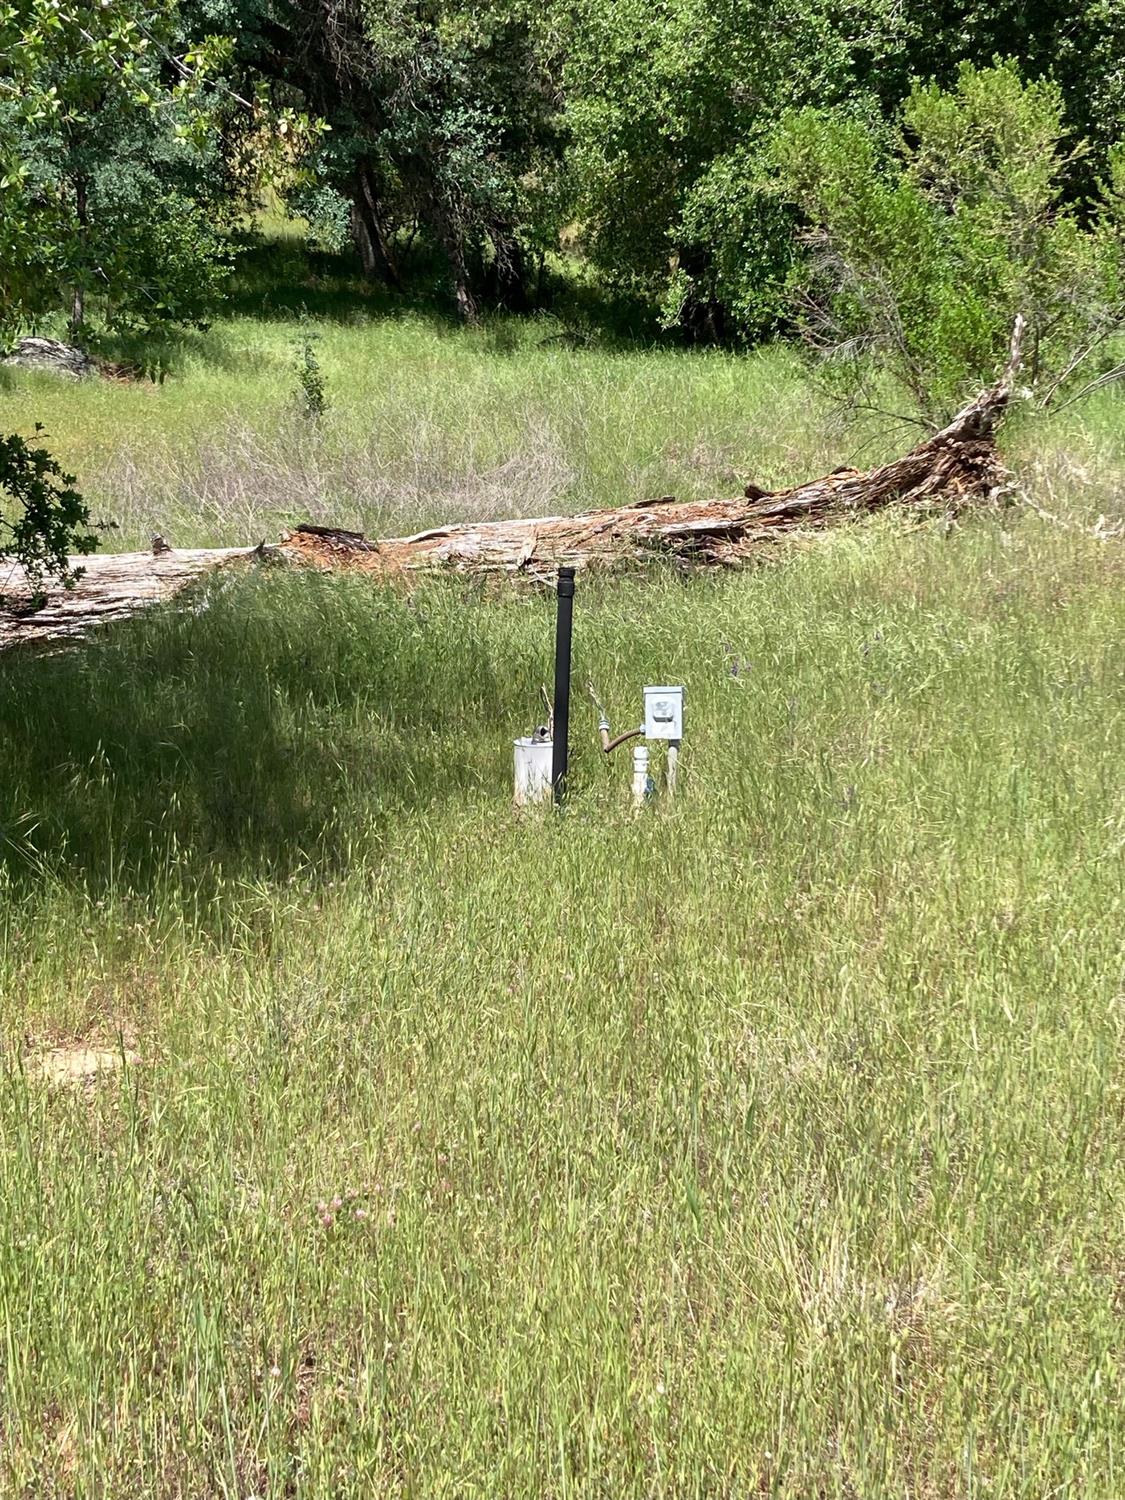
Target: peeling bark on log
112, 586
948, 470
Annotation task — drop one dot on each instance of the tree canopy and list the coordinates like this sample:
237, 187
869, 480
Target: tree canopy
135, 133
892, 180
108, 187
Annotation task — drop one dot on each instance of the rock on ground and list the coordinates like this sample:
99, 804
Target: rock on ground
53, 356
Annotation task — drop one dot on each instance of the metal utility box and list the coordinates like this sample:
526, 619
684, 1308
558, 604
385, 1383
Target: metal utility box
664, 713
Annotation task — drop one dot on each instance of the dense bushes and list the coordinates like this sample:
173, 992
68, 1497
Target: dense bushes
477, 134
671, 108
922, 251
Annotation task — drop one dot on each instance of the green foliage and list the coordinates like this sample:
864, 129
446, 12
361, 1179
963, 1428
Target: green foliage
1077, 44
669, 108
327, 212
312, 399
1112, 193
108, 167
738, 240
666, 108
133, 134
441, 133
43, 518
922, 251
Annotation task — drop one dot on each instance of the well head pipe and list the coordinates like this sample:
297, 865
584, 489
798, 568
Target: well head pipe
564, 623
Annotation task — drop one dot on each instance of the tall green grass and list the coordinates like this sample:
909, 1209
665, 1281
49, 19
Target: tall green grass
428, 422
425, 424
768, 1142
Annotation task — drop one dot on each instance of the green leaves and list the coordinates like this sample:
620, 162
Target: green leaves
922, 250
43, 518
108, 168
670, 107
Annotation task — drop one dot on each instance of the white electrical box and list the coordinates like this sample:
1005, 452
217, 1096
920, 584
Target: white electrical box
664, 713
533, 769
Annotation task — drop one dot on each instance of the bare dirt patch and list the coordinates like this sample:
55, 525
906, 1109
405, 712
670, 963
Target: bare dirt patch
80, 1066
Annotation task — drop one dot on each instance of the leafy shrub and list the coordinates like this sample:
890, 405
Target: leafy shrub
922, 251
312, 399
734, 256
113, 191
43, 518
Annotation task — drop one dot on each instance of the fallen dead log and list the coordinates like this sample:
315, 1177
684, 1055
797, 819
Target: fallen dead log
112, 586
954, 467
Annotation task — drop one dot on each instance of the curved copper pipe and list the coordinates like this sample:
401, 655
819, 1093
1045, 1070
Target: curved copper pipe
608, 744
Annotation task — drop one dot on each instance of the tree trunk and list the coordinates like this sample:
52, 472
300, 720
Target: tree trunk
77, 313
452, 240
364, 242
507, 273
954, 467
947, 471
78, 292
372, 241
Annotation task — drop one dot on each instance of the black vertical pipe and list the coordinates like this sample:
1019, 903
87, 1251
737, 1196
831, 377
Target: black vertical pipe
564, 621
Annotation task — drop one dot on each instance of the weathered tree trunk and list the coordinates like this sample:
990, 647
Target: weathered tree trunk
452, 240
53, 357
78, 291
953, 468
372, 241
112, 586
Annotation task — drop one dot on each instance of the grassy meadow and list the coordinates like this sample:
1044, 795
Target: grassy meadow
766, 1143
429, 422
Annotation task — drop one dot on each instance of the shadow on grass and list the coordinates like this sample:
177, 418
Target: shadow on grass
285, 280
281, 280
278, 721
